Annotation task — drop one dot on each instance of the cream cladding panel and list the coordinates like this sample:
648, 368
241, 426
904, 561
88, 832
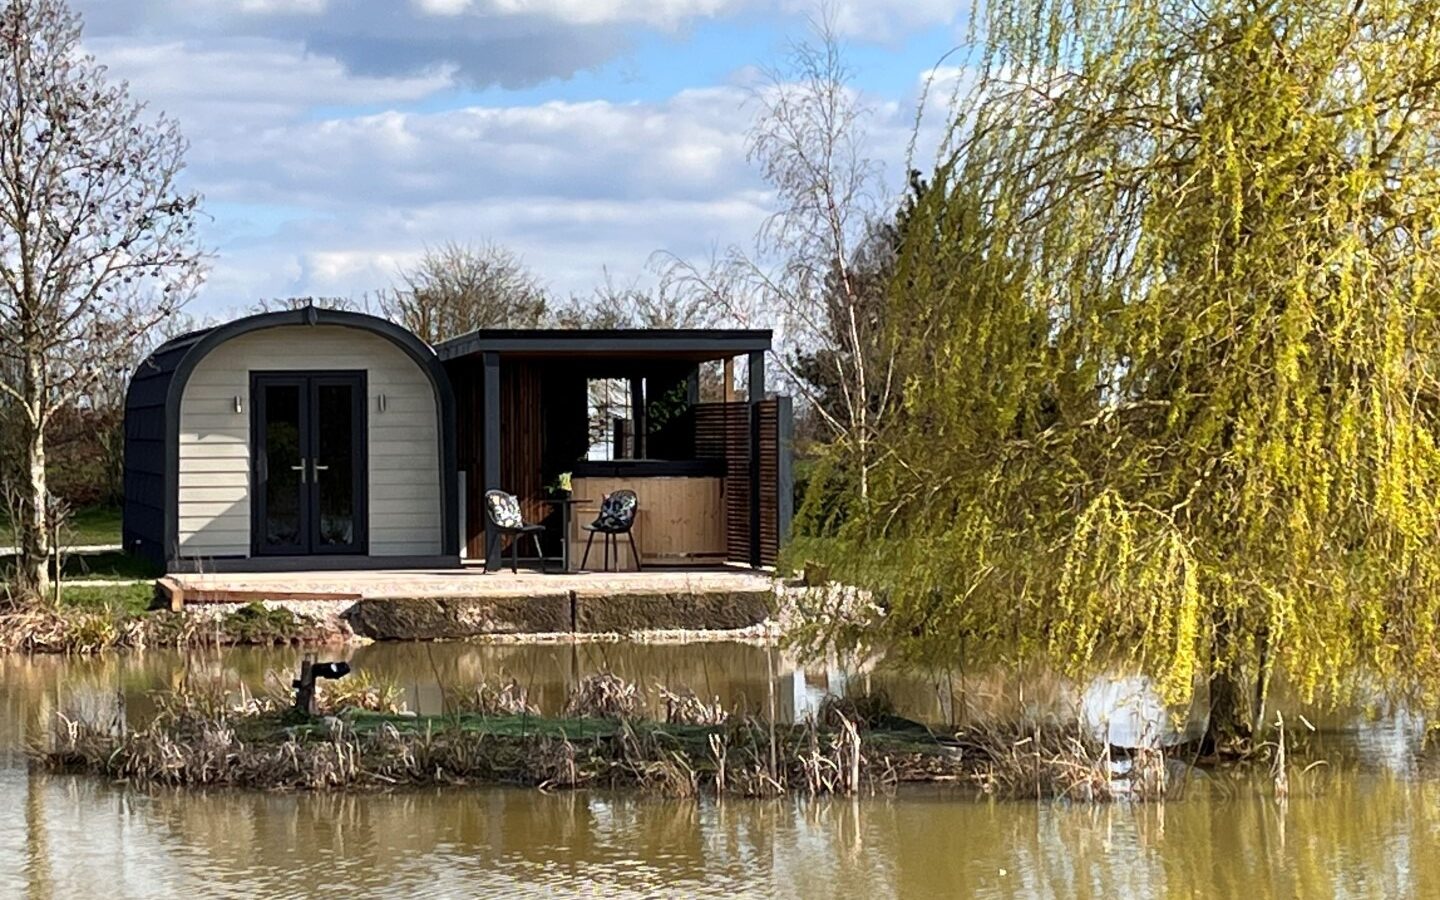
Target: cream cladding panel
404, 475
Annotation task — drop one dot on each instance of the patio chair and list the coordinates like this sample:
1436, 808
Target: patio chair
617, 517
504, 512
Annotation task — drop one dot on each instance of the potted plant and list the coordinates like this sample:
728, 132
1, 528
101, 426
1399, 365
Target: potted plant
560, 488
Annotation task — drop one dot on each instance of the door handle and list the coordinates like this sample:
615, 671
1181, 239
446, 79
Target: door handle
301, 469
316, 469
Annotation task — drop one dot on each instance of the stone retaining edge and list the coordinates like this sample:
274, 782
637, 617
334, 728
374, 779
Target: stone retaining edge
560, 612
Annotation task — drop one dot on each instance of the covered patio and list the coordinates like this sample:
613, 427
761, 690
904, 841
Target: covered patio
654, 411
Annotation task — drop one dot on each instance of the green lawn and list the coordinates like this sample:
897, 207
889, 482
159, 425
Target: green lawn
130, 599
91, 525
111, 564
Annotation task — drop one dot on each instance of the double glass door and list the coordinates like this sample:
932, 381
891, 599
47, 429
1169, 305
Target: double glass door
308, 431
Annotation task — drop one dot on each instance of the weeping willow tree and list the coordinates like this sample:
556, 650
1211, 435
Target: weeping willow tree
1166, 323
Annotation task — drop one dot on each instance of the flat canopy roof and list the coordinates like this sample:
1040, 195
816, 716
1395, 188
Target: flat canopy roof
691, 344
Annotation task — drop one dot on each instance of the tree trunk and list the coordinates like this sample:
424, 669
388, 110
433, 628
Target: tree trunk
33, 574
1230, 728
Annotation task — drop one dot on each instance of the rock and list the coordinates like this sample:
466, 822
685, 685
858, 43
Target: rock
599, 611
441, 618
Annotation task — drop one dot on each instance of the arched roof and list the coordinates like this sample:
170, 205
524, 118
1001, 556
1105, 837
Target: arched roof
152, 413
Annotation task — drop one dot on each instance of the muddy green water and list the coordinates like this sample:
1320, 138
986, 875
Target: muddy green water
1366, 825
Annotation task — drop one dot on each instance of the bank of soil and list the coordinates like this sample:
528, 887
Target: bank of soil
92, 629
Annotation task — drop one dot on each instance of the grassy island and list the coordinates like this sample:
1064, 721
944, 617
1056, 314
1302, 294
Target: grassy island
601, 740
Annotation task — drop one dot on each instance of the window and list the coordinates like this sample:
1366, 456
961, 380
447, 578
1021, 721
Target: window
611, 424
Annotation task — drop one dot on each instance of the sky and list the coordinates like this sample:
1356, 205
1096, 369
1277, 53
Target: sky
334, 140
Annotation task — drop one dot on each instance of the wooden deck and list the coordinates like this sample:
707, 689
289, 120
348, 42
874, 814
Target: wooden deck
464, 603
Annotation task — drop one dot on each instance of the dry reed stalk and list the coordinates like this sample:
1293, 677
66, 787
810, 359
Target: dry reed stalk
604, 696
509, 699
684, 708
210, 737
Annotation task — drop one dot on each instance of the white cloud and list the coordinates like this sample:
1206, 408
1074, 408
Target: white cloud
234, 84
885, 20
657, 13
442, 7
324, 174
575, 188
691, 145
283, 7
506, 42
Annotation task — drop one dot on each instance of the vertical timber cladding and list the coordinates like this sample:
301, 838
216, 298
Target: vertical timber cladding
723, 431
521, 436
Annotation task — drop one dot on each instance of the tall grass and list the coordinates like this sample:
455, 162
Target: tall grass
92, 629
492, 734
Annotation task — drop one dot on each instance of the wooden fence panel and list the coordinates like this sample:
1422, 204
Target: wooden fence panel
724, 431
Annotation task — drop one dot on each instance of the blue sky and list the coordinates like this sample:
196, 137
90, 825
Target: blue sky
334, 140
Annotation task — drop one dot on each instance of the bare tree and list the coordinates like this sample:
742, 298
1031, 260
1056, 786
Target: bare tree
612, 306
277, 304
807, 141
458, 288
97, 240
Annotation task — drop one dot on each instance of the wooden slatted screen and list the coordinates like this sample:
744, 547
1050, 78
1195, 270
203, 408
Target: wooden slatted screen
723, 431
769, 482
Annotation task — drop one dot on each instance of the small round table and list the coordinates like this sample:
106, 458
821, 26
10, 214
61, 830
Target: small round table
566, 504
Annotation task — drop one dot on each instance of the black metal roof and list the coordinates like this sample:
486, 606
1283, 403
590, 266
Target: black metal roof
696, 344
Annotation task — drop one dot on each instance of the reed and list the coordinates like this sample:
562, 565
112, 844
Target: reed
203, 738
506, 699
76, 630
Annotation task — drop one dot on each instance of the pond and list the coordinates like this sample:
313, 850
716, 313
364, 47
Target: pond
1363, 825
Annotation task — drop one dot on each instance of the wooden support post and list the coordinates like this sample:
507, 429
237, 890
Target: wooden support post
305, 687
727, 394
638, 416
692, 386
490, 453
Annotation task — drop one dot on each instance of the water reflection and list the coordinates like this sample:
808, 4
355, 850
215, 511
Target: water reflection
1366, 837
1352, 829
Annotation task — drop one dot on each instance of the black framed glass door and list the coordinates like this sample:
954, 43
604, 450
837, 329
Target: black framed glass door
308, 446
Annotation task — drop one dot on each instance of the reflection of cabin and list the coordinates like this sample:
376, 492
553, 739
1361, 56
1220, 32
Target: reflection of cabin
315, 439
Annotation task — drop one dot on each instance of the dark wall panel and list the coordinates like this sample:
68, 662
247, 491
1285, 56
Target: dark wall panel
465, 380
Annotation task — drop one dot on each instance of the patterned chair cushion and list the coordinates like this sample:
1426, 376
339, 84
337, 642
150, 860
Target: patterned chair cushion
617, 511
504, 510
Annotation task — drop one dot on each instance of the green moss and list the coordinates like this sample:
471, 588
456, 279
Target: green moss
254, 623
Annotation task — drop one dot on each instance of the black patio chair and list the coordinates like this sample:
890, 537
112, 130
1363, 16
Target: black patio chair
504, 512
617, 517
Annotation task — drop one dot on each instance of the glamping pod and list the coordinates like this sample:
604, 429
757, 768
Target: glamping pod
300, 439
